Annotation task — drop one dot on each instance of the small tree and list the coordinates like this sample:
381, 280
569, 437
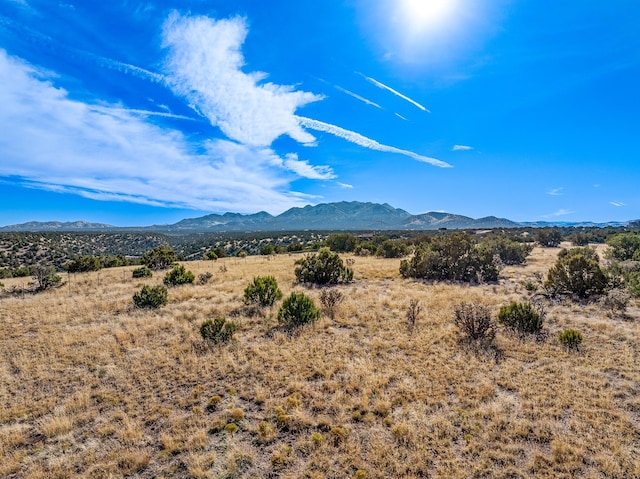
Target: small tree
83, 264
44, 278
263, 291
210, 256
392, 249
160, 257
325, 267
548, 237
151, 297
576, 272
178, 275
297, 310
267, 249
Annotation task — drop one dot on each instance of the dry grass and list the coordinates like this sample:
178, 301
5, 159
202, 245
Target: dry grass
90, 387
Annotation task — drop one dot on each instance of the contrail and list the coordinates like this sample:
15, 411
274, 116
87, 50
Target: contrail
395, 92
361, 140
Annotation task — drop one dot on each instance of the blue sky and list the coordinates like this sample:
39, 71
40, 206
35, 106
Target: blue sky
134, 113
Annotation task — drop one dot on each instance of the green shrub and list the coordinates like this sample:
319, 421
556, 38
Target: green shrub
262, 291
83, 264
324, 267
451, 257
142, 272
624, 246
509, 251
44, 278
217, 330
296, 310
210, 256
576, 272
341, 243
571, 339
475, 322
151, 297
548, 237
523, 318
632, 282
160, 257
267, 249
178, 275
392, 249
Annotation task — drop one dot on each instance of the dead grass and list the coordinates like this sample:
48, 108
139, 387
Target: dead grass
91, 387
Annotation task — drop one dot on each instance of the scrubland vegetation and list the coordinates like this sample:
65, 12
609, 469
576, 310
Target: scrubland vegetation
262, 371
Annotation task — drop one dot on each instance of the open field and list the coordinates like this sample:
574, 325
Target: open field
91, 387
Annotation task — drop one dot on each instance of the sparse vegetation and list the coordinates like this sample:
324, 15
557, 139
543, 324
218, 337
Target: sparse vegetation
93, 387
83, 264
151, 297
548, 237
324, 267
178, 275
262, 292
297, 310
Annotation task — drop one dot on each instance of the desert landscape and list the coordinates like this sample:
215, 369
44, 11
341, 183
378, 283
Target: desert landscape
92, 386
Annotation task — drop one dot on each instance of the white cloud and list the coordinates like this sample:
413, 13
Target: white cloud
305, 170
361, 140
52, 142
556, 191
395, 92
461, 148
346, 186
400, 116
616, 203
204, 66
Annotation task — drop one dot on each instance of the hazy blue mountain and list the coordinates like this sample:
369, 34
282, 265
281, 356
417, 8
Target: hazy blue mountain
58, 226
344, 215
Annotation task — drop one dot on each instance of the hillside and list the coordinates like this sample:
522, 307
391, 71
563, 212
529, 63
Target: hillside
91, 387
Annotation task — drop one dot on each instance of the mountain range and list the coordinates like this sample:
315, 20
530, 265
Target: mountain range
344, 215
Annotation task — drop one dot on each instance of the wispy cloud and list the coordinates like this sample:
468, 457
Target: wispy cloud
400, 116
361, 140
395, 92
616, 203
204, 66
461, 148
344, 185
560, 212
305, 170
47, 43
356, 96
556, 191
102, 152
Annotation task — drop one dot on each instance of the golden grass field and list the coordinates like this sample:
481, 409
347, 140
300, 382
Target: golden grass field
91, 387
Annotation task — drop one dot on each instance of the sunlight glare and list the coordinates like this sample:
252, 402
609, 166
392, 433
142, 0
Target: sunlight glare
421, 15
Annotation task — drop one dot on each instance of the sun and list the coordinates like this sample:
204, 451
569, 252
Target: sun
421, 16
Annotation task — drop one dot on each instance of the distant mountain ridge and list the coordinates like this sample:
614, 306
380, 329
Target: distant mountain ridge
343, 215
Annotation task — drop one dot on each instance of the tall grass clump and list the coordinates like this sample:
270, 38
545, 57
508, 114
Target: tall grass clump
217, 330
